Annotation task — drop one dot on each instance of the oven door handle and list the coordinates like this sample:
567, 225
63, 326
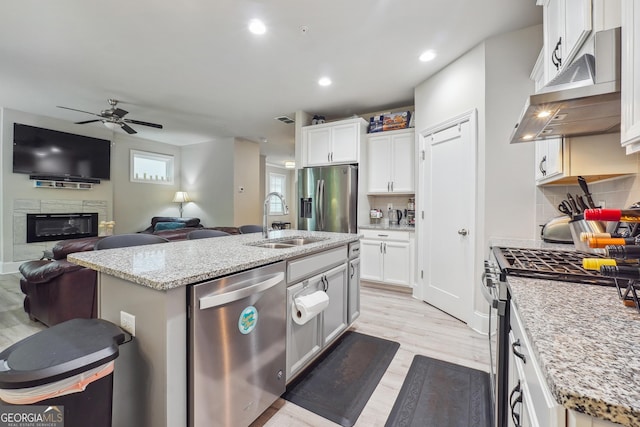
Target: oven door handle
491, 299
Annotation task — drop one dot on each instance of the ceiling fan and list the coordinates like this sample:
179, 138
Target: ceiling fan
113, 118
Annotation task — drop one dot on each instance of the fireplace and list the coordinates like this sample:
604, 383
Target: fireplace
46, 227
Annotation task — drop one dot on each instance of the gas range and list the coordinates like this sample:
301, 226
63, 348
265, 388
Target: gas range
547, 264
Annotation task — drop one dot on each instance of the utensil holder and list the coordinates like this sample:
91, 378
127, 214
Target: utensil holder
579, 225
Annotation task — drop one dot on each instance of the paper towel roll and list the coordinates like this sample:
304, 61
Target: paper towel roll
309, 306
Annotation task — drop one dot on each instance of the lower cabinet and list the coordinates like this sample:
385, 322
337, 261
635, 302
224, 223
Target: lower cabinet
387, 257
306, 341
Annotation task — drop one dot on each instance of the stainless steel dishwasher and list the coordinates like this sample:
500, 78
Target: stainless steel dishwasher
237, 337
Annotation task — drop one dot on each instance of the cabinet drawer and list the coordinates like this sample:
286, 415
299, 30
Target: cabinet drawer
312, 264
385, 234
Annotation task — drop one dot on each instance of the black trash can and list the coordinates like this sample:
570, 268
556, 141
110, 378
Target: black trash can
66, 369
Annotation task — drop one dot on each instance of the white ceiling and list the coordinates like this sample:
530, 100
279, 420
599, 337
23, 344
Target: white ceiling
193, 66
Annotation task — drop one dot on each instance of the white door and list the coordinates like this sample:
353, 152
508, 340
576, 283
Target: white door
403, 157
334, 318
345, 143
318, 146
450, 211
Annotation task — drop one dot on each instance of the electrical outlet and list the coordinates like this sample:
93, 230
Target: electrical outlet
602, 204
389, 206
128, 322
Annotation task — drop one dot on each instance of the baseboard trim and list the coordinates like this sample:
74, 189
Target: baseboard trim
9, 267
387, 287
480, 322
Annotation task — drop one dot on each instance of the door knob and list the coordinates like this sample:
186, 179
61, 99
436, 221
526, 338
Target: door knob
463, 232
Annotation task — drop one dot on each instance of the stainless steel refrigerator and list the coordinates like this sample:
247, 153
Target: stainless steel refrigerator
328, 198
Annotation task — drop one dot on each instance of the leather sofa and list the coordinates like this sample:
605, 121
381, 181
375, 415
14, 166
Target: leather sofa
57, 290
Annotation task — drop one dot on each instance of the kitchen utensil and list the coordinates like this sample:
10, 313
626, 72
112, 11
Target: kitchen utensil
585, 188
579, 225
581, 203
573, 204
399, 214
556, 230
565, 208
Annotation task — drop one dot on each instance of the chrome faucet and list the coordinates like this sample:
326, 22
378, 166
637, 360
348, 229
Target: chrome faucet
285, 210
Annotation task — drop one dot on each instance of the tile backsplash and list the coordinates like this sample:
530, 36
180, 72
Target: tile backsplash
617, 193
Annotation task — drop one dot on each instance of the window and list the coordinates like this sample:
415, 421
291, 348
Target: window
277, 182
152, 168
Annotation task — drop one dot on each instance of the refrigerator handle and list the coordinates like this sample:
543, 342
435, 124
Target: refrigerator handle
317, 204
321, 206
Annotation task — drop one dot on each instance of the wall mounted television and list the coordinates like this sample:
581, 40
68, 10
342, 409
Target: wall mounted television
49, 154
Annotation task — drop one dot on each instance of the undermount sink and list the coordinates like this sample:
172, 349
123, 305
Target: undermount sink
288, 243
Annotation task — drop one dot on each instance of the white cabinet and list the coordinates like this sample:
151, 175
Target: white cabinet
560, 161
334, 317
538, 407
333, 143
630, 95
325, 272
567, 25
353, 311
548, 155
390, 164
387, 257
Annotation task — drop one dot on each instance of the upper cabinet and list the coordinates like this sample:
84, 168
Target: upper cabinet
390, 163
333, 143
597, 157
630, 95
567, 24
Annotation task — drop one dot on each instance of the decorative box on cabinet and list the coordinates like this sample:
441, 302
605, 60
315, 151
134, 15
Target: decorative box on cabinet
595, 157
387, 256
333, 143
391, 162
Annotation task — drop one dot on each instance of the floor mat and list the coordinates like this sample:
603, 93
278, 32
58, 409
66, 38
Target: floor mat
440, 394
339, 384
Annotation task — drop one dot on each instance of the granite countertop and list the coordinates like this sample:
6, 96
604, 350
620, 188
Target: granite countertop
388, 227
170, 265
587, 344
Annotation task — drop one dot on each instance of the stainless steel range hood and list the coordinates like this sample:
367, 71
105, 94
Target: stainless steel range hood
584, 99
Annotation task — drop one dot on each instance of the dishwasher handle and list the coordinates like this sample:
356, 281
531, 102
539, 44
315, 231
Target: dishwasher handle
210, 301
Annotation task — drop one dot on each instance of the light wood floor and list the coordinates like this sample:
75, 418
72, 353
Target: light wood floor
420, 329
417, 326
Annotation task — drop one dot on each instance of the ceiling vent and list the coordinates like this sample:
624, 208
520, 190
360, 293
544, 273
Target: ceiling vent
285, 119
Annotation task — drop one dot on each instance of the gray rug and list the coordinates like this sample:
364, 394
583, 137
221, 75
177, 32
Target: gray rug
338, 386
440, 394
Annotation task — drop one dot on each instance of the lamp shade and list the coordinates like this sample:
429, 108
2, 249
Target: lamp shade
181, 197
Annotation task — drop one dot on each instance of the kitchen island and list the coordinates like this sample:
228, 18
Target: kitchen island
587, 347
151, 283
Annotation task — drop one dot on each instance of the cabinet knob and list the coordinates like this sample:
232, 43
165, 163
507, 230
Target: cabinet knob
463, 232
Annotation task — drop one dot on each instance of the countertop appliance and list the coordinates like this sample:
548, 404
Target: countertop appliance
544, 264
328, 198
237, 337
584, 99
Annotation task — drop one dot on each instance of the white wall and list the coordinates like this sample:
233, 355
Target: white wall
246, 174
208, 177
135, 203
492, 78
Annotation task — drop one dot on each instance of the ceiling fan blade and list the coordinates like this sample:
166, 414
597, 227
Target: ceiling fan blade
87, 121
81, 111
138, 122
128, 129
120, 112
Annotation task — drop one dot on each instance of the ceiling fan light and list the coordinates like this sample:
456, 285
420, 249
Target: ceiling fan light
111, 125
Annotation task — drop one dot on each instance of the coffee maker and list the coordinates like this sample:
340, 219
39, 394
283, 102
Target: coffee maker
411, 213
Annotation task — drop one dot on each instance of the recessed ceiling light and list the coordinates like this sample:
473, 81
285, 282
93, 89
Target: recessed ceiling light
256, 26
543, 114
324, 81
427, 56
528, 136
